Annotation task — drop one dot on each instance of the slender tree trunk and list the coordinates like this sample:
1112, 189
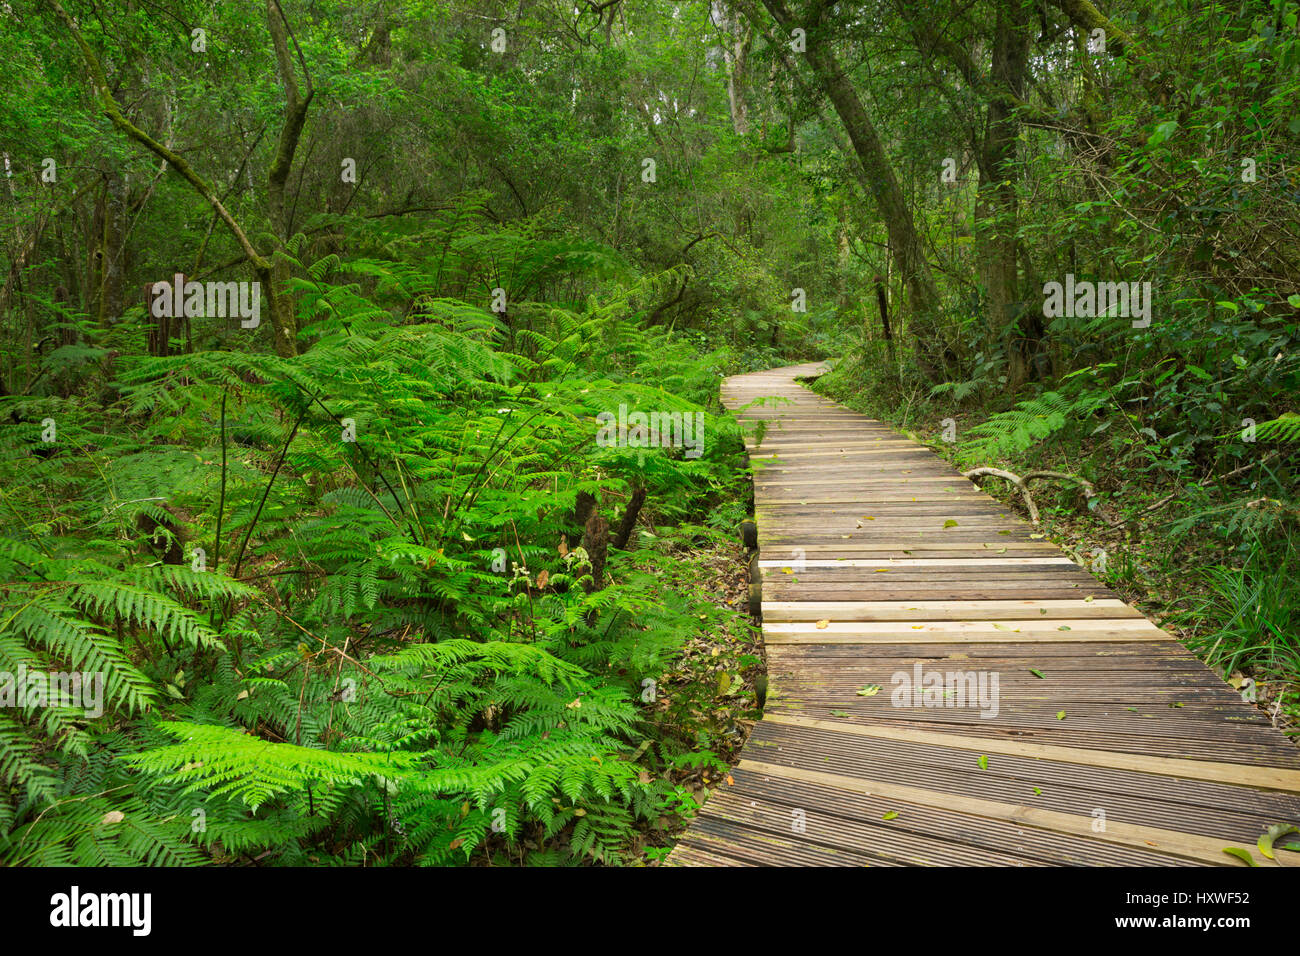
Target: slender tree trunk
881, 182
112, 261
295, 115
735, 53
998, 238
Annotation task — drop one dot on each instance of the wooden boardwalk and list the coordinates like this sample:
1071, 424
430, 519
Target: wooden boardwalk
1106, 742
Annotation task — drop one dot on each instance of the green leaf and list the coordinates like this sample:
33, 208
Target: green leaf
1240, 854
870, 690
983, 762
890, 815
1162, 132
1037, 673
1272, 834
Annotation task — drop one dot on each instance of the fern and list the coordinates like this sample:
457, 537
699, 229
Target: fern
375, 677
1010, 433
1284, 428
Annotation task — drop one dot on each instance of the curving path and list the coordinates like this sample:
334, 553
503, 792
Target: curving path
1061, 726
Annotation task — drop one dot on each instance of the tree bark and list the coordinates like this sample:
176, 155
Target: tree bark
630, 514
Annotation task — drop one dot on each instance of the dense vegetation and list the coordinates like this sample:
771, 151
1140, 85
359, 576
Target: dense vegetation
377, 569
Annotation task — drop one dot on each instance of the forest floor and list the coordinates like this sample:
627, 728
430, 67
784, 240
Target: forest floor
711, 694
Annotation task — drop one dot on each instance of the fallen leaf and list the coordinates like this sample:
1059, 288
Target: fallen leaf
1037, 673
117, 816
870, 690
1272, 834
542, 578
1060, 715
950, 523
1240, 854
822, 625
983, 762
890, 815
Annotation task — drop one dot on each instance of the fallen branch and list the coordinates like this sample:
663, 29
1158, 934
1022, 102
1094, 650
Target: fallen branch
1202, 483
1022, 483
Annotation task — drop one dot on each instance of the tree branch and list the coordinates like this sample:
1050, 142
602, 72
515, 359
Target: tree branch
1022, 483
114, 113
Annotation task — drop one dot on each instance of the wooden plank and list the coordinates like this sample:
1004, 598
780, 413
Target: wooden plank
1265, 778
927, 562
783, 611
1025, 628
1186, 845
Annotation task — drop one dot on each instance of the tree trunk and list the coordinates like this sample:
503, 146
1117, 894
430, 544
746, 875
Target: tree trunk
112, 260
880, 180
999, 255
735, 53
283, 317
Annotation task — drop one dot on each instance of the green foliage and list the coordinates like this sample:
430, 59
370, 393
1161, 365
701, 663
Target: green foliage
1254, 610
388, 654
1285, 428
1008, 434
